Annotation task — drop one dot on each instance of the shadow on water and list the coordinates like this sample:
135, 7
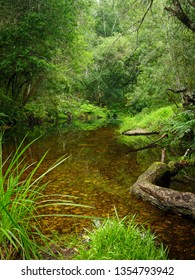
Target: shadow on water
99, 173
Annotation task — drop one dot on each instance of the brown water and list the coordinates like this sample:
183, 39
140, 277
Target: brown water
99, 173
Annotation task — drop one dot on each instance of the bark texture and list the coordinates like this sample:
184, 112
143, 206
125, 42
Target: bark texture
152, 186
139, 132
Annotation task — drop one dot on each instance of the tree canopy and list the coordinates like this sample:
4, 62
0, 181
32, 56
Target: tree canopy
127, 56
32, 34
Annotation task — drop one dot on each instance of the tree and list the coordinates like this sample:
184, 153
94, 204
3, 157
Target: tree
184, 12
107, 19
32, 32
113, 73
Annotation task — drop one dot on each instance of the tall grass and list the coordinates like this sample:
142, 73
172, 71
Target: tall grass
151, 121
20, 198
118, 240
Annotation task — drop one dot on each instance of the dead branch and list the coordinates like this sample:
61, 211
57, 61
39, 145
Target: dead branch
145, 14
186, 152
172, 99
151, 145
139, 132
156, 141
163, 155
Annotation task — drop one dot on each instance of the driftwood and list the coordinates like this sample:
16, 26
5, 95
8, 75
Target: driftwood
151, 144
152, 186
139, 132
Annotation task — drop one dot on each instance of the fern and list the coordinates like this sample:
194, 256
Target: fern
181, 129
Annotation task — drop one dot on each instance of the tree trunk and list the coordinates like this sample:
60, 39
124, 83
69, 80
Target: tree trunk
31, 89
152, 186
178, 12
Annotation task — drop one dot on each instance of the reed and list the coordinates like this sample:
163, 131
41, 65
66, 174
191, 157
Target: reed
20, 198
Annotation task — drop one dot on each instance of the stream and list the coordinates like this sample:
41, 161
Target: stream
98, 172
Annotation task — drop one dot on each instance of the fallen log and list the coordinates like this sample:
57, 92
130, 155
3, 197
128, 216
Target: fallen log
139, 132
150, 145
153, 186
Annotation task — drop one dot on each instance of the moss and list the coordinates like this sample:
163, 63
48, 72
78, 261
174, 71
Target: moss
158, 173
154, 121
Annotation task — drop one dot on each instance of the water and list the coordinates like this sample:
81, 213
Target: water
99, 173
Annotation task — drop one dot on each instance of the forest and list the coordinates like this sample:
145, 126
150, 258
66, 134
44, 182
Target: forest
87, 64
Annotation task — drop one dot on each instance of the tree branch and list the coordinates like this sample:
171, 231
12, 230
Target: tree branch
179, 13
151, 145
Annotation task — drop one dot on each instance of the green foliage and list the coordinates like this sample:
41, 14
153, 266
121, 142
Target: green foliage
154, 77
67, 109
177, 123
180, 47
113, 73
91, 110
107, 20
4, 119
131, 70
32, 33
181, 129
121, 240
20, 199
150, 120
115, 54
89, 117
38, 111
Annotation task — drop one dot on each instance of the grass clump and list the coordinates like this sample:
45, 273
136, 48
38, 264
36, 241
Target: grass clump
151, 121
20, 199
19, 195
121, 240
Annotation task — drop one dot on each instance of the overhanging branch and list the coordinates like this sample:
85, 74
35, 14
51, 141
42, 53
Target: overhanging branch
178, 12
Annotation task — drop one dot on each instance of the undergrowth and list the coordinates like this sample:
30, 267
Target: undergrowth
20, 199
121, 240
181, 129
151, 121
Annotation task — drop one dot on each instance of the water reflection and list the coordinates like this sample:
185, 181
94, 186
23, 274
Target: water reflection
99, 173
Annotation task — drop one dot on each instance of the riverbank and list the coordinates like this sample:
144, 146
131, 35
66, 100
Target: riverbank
99, 173
20, 240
